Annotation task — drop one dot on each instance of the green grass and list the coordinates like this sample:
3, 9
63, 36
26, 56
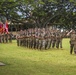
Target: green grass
24, 61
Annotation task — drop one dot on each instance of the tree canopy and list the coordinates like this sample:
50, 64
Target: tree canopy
40, 13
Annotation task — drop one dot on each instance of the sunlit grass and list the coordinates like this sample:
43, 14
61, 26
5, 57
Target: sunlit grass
24, 61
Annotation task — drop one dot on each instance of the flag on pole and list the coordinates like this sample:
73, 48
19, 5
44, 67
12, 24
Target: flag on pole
5, 27
1, 27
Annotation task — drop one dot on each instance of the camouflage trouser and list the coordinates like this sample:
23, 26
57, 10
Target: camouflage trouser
10, 40
39, 44
71, 47
1, 40
53, 43
36, 42
28, 45
43, 44
48, 44
75, 47
21, 41
6, 40
18, 42
30, 41
27, 42
61, 44
57, 43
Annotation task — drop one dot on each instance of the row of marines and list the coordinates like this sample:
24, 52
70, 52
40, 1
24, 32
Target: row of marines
40, 38
5, 37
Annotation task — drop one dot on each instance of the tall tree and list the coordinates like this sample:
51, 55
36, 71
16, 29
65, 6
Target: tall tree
40, 13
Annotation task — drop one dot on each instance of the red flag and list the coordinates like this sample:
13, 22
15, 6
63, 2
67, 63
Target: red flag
5, 27
1, 27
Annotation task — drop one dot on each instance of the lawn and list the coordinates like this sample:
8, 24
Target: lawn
24, 61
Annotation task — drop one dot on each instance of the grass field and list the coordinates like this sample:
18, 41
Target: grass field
24, 61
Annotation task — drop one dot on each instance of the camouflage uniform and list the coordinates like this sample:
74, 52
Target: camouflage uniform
6, 38
39, 41
72, 40
17, 38
61, 38
3, 38
53, 37
48, 40
75, 45
57, 40
0, 38
36, 39
10, 37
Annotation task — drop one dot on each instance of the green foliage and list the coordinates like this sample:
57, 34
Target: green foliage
41, 12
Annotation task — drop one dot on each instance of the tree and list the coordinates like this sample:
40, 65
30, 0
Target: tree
40, 13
